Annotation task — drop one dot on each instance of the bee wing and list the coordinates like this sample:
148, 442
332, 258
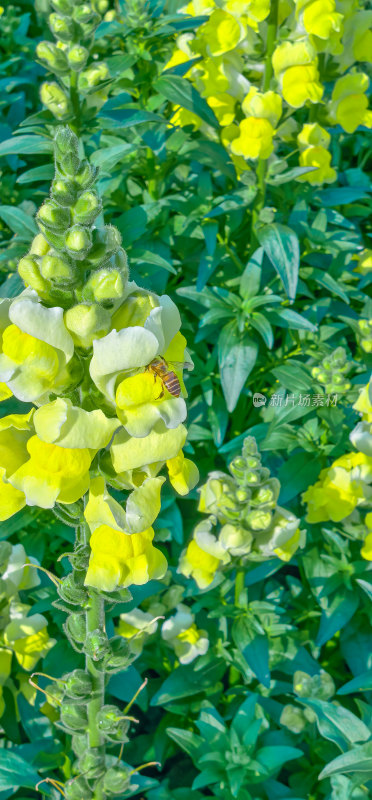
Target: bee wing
180, 364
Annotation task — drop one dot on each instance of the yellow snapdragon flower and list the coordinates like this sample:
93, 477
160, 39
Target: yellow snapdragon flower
320, 18
364, 262
221, 34
255, 138
340, 488
296, 68
349, 104
223, 106
366, 551
28, 637
120, 559
364, 403
313, 141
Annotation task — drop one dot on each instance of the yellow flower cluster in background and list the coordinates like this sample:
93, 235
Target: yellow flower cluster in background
247, 93
345, 488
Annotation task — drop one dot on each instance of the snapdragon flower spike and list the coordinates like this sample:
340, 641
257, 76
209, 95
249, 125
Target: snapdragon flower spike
245, 521
73, 25
71, 257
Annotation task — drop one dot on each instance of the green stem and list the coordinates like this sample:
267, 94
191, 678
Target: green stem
95, 620
272, 27
239, 585
75, 102
234, 674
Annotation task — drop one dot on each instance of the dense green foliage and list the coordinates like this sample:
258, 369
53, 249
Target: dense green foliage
269, 696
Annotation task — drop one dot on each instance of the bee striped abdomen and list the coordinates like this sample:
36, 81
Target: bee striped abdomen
172, 383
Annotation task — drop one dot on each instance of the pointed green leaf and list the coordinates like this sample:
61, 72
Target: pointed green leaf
282, 247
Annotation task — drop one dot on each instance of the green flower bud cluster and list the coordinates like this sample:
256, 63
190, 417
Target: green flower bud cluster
365, 334
244, 521
319, 687
71, 259
247, 497
71, 23
332, 372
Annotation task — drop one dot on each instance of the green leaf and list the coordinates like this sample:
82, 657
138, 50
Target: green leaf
25, 144
336, 723
149, 257
293, 377
237, 354
189, 742
44, 173
336, 616
282, 248
180, 92
296, 474
107, 158
251, 278
186, 681
19, 222
359, 759
256, 654
273, 757
15, 771
287, 318
362, 683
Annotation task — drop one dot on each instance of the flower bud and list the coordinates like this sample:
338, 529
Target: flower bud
91, 764
117, 780
106, 242
87, 207
76, 627
105, 284
63, 191
53, 216
85, 175
97, 645
78, 684
29, 271
71, 592
53, 57
83, 13
258, 520
86, 323
58, 269
93, 76
63, 28
87, 28
56, 100
64, 6
119, 656
77, 57
101, 6
78, 242
39, 246
74, 717
56, 240
66, 146
109, 718
77, 789
79, 743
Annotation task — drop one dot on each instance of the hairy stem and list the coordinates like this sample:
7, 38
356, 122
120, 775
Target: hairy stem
272, 27
95, 620
75, 102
